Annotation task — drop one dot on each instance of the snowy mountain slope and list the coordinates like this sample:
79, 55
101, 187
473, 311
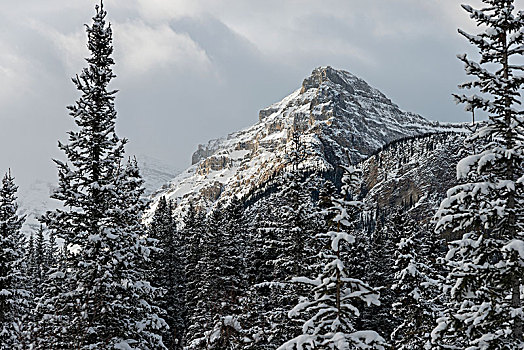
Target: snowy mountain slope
413, 173
333, 110
34, 200
155, 172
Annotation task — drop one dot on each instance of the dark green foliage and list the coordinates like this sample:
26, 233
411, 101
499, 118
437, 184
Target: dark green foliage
168, 273
14, 297
221, 272
193, 232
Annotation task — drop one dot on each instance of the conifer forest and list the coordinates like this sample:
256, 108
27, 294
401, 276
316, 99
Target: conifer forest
336, 222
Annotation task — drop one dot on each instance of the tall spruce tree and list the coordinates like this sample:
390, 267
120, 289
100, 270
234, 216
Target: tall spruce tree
208, 290
14, 297
372, 259
36, 266
415, 287
261, 251
50, 316
194, 227
330, 313
294, 248
232, 250
289, 239
486, 209
51, 250
169, 272
39, 260
211, 264
44, 291
29, 259
99, 296
227, 332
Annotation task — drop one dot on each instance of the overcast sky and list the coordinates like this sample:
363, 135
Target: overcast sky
191, 70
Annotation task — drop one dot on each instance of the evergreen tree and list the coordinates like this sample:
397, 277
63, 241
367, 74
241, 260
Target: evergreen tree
486, 208
169, 272
372, 260
261, 251
39, 260
296, 152
36, 266
99, 295
415, 287
232, 251
208, 291
51, 250
331, 312
193, 232
50, 319
289, 239
280, 245
227, 332
290, 247
14, 297
326, 193
138, 318
30, 260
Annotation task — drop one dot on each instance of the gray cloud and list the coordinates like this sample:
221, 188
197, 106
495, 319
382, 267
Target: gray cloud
190, 70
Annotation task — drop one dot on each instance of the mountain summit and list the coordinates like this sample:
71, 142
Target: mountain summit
333, 111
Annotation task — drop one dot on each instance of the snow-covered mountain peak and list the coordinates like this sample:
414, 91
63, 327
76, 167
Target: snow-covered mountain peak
328, 77
333, 110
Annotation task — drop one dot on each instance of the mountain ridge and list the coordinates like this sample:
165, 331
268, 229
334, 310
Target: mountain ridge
333, 111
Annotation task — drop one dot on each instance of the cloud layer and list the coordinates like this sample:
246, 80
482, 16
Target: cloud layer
190, 70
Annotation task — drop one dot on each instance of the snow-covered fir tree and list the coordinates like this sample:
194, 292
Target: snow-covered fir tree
415, 288
280, 244
141, 316
45, 288
36, 266
261, 250
296, 152
289, 239
486, 209
36, 259
293, 249
49, 315
371, 258
98, 295
220, 270
39, 253
51, 251
227, 332
168, 271
193, 230
14, 296
207, 290
234, 244
329, 314
29, 259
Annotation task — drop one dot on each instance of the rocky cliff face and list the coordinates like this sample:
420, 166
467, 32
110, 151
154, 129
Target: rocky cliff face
412, 173
333, 111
